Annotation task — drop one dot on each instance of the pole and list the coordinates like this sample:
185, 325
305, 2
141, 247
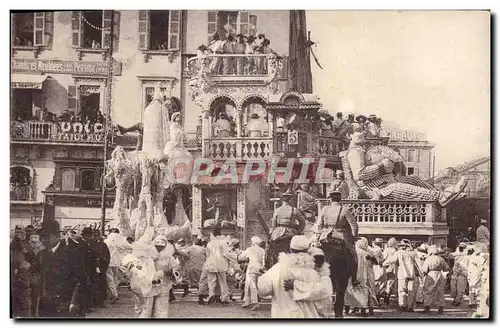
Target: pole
433, 164
108, 122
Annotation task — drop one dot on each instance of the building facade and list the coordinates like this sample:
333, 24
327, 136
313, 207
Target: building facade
417, 151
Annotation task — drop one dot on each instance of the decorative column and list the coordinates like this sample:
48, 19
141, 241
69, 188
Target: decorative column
206, 129
270, 121
241, 212
238, 122
196, 221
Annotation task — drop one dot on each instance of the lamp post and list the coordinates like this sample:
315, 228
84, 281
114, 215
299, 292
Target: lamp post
108, 124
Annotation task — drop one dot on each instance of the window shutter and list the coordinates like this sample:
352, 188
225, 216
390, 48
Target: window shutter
116, 30
72, 98
39, 27
174, 27
143, 29
252, 27
107, 16
212, 23
49, 29
244, 23
76, 28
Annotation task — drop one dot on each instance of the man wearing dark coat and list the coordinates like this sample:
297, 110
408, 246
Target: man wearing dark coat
101, 251
90, 269
61, 273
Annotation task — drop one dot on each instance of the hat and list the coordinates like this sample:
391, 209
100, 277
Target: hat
256, 240
339, 114
174, 115
239, 35
483, 221
333, 192
402, 243
392, 242
49, 226
378, 240
181, 240
360, 117
339, 172
87, 231
223, 115
423, 247
18, 229
432, 250
373, 116
234, 241
299, 243
255, 115
462, 244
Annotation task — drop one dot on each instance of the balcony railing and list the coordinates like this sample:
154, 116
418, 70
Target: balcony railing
20, 193
61, 132
245, 66
238, 148
380, 212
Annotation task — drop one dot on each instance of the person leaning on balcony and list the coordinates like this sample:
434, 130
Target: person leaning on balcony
239, 49
250, 50
339, 125
217, 47
259, 49
254, 126
222, 126
228, 61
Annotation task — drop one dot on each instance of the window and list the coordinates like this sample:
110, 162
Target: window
148, 85
88, 180
68, 179
411, 155
31, 29
90, 101
410, 171
231, 22
91, 29
22, 104
20, 183
159, 30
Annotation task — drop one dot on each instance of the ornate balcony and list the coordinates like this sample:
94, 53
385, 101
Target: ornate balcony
382, 217
237, 148
20, 193
64, 132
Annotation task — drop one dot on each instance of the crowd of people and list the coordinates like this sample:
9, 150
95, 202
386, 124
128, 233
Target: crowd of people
68, 274
239, 44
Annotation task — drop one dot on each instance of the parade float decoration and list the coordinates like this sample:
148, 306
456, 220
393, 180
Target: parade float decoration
141, 177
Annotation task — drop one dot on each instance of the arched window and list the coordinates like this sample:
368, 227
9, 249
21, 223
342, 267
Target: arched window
20, 183
87, 180
68, 179
255, 119
223, 110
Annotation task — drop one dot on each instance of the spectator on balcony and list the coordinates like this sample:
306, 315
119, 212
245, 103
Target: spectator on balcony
228, 61
250, 50
327, 126
216, 47
373, 128
259, 49
65, 116
280, 123
222, 126
232, 124
339, 125
255, 126
239, 49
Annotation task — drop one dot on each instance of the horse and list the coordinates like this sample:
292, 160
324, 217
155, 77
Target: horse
340, 263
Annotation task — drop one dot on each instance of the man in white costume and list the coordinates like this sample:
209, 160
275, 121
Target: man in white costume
294, 283
434, 281
459, 274
217, 265
255, 256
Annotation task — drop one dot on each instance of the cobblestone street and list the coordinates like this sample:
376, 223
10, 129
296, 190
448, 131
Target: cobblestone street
187, 308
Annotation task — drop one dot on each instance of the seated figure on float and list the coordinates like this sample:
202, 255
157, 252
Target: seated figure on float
378, 181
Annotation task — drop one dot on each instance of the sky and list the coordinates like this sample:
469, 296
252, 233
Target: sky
427, 71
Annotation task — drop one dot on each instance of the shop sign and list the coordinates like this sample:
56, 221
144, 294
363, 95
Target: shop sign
90, 137
63, 67
82, 202
26, 85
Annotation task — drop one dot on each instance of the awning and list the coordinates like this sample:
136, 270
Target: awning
27, 81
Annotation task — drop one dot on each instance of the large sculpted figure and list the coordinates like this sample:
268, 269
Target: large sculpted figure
380, 183
153, 164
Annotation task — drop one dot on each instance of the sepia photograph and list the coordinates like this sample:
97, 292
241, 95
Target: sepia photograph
250, 164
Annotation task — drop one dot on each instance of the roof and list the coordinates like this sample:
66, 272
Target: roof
447, 172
